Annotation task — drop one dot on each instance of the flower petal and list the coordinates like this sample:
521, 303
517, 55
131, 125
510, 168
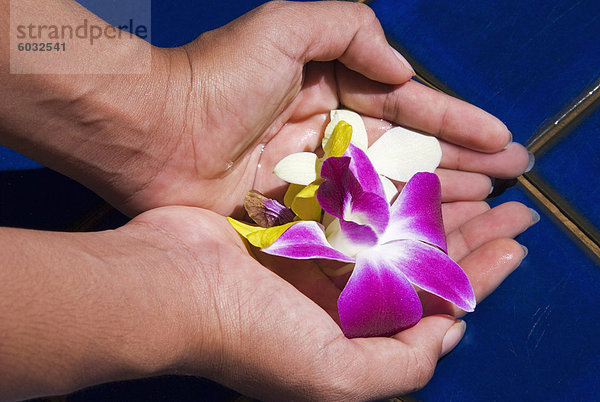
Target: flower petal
338, 187
359, 132
338, 140
400, 153
342, 196
298, 168
417, 213
378, 300
265, 211
291, 193
368, 209
259, 236
364, 171
389, 188
306, 205
351, 238
306, 240
431, 270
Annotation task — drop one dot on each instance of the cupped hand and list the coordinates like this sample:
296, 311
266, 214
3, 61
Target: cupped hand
267, 337
244, 96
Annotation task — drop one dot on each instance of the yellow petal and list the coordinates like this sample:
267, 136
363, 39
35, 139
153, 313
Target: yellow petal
339, 140
242, 228
259, 236
306, 205
291, 193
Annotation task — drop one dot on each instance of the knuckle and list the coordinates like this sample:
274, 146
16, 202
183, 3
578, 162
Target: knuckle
365, 12
419, 370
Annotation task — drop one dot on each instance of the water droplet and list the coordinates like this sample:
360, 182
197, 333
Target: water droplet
229, 165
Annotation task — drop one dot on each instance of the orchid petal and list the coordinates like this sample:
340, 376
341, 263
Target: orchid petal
431, 270
416, 214
342, 196
389, 189
339, 140
368, 209
298, 168
359, 132
364, 171
306, 205
400, 153
353, 239
338, 186
377, 300
305, 240
259, 236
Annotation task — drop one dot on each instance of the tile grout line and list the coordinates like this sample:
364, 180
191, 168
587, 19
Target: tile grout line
561, 210
582, 103
570, 224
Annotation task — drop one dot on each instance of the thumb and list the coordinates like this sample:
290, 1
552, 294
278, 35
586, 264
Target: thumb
406, 362
329, 30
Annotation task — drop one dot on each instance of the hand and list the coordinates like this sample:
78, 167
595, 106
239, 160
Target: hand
240, 98
257, 330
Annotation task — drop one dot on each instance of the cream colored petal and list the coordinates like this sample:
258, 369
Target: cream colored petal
389, 188
400, 153
359, 132
298, 168
332, 226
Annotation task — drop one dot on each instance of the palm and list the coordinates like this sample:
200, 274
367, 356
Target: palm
298, 125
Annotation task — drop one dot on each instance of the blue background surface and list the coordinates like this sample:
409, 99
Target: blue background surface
572, 168
535, 338
518, 60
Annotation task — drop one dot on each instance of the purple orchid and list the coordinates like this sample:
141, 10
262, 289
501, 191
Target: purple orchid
393, 247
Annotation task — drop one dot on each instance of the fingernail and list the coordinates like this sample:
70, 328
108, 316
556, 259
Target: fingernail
525, 251
403, 61
510, 141
535, 216
453, 336
531, 162
491, 189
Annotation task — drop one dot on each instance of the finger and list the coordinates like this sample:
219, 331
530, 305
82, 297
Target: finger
506, 220
416, 106
506, 164
402, 364
463, 186
457, 213
486, 268
325, 31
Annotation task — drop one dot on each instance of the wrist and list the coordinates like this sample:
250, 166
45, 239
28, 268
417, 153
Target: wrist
103, 126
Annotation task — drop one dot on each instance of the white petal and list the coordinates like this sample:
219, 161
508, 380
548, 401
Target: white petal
333, 225
359, 132
298, 168
400, 153
389, 188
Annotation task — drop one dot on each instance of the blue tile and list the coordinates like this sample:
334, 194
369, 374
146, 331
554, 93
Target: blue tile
536, 337
11, 160
572, 168
521, 61
176, 23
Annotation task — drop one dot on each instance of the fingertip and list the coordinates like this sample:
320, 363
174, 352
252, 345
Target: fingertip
453, 336
525, 251
404, 62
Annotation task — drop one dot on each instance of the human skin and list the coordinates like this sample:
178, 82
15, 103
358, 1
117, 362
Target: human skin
175, 290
